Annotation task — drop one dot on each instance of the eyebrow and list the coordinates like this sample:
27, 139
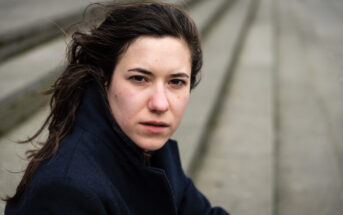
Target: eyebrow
144, 71
147, 72
181, 74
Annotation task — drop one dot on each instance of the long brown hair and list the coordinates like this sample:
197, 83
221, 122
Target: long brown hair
93, 55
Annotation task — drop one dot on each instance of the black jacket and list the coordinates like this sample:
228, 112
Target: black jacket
99, 170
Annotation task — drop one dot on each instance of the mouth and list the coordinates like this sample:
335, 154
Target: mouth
155, 124
155, 127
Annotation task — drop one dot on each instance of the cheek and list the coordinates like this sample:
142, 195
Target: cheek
180, 104
126, 103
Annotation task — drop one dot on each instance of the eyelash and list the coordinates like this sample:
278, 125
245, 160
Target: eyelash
138, 78
141, 79
179, 82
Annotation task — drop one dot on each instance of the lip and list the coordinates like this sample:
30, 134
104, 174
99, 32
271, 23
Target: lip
155, 127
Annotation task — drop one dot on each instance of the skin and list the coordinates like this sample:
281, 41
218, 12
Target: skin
150, 89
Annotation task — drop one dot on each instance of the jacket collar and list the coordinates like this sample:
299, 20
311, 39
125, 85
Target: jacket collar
94, 116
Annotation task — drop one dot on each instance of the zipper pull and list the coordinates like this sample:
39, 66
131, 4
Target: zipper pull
147, 158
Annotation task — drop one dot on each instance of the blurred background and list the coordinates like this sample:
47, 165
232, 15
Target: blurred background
263, 132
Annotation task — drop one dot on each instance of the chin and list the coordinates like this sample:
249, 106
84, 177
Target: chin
151, 144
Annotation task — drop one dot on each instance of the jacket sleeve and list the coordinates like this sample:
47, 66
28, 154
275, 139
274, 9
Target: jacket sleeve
194, 202
62, 196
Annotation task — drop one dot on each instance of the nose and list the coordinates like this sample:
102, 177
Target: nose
158, 101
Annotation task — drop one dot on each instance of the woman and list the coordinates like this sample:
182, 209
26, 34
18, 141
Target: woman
113, 110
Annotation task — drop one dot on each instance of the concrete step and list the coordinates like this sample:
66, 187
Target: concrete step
221, 48
12, 155
310, 115
26, 24
237, 170
23, 77
277, 145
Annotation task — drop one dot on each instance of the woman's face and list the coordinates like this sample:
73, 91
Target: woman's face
150, 89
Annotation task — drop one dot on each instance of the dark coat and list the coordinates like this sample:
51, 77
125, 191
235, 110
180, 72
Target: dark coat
99, 170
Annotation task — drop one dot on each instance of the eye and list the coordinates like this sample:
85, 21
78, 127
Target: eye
138, 78
177, 82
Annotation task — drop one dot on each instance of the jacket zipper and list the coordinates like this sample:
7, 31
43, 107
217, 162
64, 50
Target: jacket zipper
147, 158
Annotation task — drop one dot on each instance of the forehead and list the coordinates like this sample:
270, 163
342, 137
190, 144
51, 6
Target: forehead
160, 52
152, 41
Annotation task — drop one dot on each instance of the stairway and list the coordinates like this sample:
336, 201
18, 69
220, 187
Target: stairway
262, 131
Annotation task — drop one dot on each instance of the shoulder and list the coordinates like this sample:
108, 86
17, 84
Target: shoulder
63, 195
73, 180
53, 187
50, 193
75, 163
